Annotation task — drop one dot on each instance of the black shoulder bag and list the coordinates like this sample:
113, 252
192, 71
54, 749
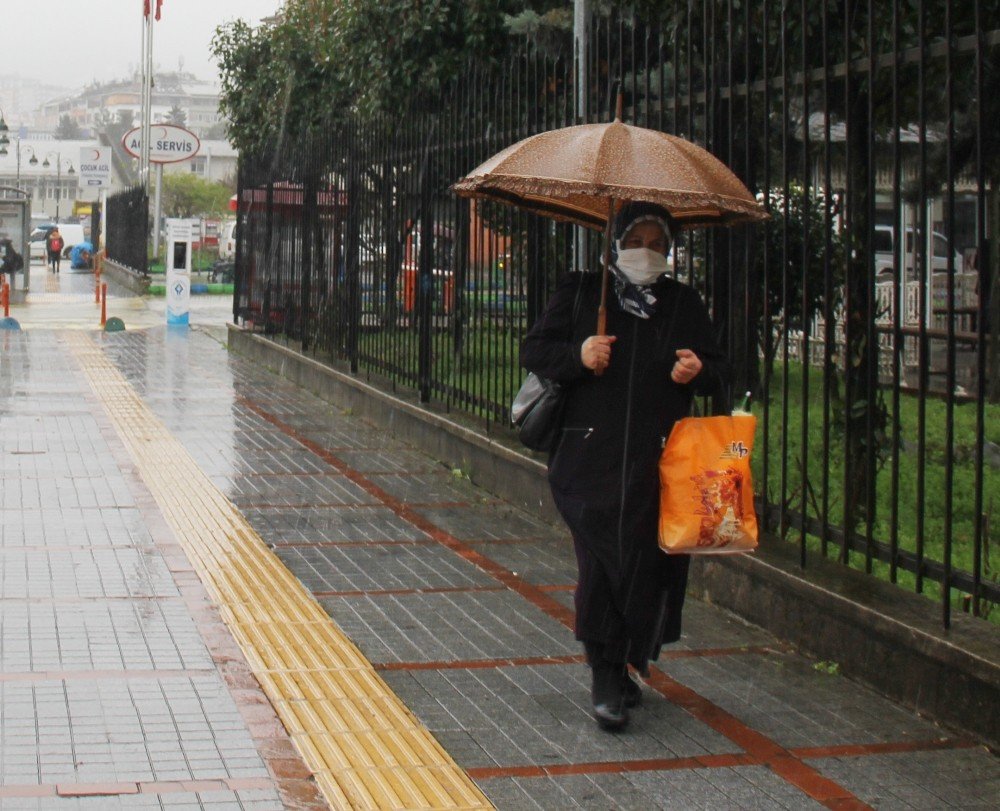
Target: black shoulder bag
537, 412
538, 405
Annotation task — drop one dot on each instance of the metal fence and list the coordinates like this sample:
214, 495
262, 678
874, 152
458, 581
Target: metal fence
859, 316
128, 228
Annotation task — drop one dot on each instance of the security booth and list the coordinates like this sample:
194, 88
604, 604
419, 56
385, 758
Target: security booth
15, 226
181, 236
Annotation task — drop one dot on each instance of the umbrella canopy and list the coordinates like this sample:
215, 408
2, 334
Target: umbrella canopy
76, 257
571, 174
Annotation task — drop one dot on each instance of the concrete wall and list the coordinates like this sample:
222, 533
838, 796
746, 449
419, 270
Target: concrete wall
877, 633
126, 277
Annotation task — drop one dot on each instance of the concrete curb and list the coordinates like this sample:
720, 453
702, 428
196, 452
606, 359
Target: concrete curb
890, 639
127, 277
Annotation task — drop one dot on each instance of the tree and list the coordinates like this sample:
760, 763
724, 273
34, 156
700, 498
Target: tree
187, 195
67, 129
252, 78
798, 255
329, 61
330, 64
216, 132
103, 119
177, 116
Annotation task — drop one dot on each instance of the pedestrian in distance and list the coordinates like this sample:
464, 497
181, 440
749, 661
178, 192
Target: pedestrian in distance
625, 390
54, 247
10, 260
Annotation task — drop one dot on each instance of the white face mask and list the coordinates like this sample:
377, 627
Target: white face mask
641, 265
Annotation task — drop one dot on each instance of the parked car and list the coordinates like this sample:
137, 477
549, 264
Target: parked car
72, 233
885, 252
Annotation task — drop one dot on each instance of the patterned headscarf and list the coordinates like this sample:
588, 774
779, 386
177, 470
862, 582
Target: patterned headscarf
636, 299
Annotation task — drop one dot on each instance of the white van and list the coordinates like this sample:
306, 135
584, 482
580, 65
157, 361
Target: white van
885, 247
71, 232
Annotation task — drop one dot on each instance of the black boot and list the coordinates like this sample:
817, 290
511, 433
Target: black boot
608, 695
631, 690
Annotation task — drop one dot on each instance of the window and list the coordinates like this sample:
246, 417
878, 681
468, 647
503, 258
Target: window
883, 241
198, 165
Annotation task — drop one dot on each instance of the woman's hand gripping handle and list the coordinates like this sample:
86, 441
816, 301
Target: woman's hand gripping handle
595, 353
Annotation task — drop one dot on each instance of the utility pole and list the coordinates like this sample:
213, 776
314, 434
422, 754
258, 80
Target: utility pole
581, 38
59, 162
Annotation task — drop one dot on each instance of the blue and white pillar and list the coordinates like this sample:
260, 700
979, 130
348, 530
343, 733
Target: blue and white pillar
180, 245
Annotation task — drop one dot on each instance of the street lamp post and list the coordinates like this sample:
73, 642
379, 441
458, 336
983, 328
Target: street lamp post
32, 160
70, 171
5, 142
17, 141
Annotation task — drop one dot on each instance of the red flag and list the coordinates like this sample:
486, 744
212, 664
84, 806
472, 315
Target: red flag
145, 8
158, 4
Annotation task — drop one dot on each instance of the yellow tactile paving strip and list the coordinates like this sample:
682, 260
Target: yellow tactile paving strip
366, 749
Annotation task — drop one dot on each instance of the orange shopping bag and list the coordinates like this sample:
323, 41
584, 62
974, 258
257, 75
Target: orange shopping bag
706, 494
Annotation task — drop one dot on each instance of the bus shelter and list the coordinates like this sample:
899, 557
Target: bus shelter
15, 226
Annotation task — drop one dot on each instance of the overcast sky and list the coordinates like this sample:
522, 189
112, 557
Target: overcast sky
69, 43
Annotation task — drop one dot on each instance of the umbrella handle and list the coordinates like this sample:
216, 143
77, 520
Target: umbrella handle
602, 311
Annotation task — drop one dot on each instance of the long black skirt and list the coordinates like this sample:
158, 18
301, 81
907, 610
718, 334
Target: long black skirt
629, 593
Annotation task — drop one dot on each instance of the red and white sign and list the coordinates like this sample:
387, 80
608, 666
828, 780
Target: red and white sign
95, 167
169, 143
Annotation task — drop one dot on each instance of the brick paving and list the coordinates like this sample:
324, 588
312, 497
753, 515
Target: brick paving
118, 686
113, 680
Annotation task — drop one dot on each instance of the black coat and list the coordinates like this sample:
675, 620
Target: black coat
604, 471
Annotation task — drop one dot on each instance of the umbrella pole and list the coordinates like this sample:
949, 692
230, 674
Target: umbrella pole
602, 311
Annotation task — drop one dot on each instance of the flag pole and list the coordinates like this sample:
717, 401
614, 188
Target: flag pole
142, 92
147, 111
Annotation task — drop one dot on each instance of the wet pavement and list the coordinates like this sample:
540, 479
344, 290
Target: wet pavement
66, 301
132, 677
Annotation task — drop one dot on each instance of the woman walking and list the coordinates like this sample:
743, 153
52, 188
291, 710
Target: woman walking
625, 391
53, 247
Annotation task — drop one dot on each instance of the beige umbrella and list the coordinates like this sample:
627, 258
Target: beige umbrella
578, 174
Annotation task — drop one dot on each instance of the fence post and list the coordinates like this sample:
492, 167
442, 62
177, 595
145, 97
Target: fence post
352, 249
427, 183
537, 292
270, 293
239, 245
425, 289
460, 258
310, 207
144, 207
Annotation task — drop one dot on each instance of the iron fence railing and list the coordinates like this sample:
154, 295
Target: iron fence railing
127, 229
860, 315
